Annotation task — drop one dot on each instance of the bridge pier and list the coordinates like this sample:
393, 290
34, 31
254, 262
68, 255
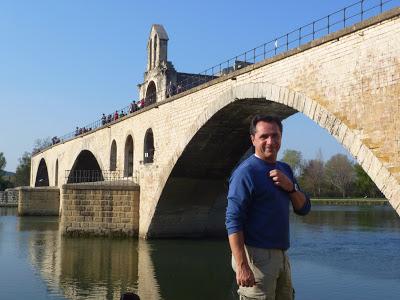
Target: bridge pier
38, 201
189, 207
100, 209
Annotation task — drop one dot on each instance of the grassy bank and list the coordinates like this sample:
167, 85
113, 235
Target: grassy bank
350, 201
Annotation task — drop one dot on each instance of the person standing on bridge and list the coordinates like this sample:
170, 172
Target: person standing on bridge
257, 215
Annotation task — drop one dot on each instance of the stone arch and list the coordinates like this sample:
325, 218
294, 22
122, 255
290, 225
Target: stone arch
56, 174
128, 156
150, 53
85, 169
42, 175
113, 156
155, 51
151, 93
181, 180
148, 147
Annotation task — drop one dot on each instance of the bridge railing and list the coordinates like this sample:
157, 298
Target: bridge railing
99, 177
335, 21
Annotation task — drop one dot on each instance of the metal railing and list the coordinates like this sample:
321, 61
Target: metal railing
99, 176
333, 22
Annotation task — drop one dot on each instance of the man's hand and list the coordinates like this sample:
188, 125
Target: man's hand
280, 179
244, 276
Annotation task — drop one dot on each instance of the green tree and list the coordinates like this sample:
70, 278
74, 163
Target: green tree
4, 184
3, 163
340, 174
22, 176
312, 179
294, 159
365, 186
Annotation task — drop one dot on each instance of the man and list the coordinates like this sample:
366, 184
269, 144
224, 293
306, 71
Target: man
257, 215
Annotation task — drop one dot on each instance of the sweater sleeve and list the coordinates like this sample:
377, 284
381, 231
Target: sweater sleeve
306, 207
239, 194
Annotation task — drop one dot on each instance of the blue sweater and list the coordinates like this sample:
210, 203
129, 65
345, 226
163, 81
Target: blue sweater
258, 207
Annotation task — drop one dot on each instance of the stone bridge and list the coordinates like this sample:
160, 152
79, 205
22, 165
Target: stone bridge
180, 150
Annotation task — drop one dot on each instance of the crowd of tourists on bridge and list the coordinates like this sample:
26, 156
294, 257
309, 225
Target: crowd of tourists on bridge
134, 106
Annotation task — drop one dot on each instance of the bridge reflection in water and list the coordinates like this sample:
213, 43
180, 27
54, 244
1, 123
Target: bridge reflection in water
103, 268
336, 252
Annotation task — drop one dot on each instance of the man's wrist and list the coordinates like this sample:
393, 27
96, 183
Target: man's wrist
294, 189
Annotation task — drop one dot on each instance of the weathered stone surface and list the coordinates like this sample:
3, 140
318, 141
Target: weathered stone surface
347, 82
97, 209
40, 201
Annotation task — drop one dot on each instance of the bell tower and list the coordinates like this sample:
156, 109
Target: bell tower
157, 46
159, 71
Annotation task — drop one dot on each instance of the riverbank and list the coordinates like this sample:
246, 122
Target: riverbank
351, 201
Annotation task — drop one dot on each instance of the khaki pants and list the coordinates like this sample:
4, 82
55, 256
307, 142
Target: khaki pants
271, 270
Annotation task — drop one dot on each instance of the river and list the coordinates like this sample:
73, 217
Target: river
337, 252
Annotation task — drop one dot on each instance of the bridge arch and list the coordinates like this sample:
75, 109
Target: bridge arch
148, 149
56, 174
85, 168
128, 156
151, 93
180, 183
113, 156
42, 175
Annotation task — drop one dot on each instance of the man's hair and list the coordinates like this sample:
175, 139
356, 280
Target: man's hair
264, 118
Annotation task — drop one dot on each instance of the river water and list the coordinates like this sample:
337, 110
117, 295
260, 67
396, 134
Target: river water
337, 252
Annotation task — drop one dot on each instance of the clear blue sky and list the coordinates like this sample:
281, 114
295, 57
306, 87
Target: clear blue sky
63, 63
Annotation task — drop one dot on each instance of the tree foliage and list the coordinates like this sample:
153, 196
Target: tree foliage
365, 186
3, 163
4, 184
22, 176
340, 173
294, 159
312, 178
338, 177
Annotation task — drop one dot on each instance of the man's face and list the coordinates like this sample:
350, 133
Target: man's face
267, 141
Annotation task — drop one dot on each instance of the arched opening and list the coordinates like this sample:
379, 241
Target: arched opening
128, 168
42, 176
148, 155
113, 156
85, 169
155, 51
151, 93
150, 55
195, 192
56, 174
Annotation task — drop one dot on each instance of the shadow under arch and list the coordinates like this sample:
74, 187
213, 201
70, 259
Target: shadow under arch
85, 169
187, 190
42, 175
192, 202
128, 156
113, 156
148, 149
151, 93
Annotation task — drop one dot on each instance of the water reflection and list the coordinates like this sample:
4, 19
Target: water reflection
94, 268
337, 252
345, 217
8, 211
356, 240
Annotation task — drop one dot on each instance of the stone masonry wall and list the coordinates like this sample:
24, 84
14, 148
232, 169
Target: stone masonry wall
347, 82
9, 197
40, 201
106, 209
